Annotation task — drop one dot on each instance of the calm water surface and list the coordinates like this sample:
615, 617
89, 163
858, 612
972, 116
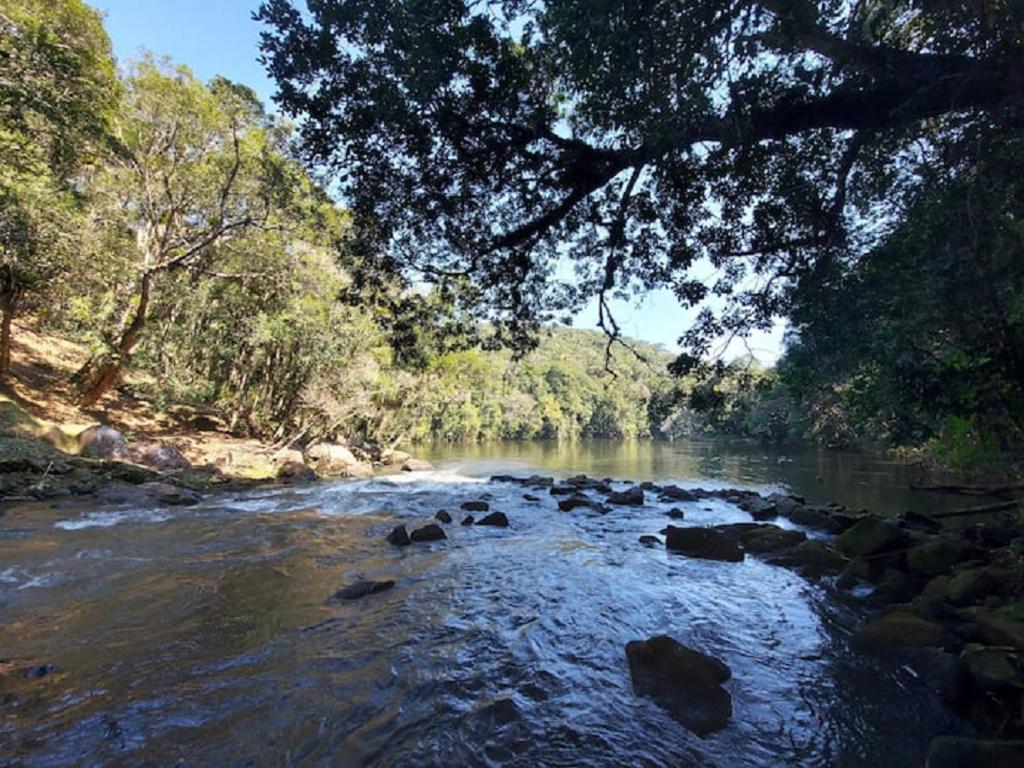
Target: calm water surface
203, 637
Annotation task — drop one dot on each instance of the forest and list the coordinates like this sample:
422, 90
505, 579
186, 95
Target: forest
332, 431
184, 233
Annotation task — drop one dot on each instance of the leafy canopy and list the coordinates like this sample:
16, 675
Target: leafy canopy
648, 143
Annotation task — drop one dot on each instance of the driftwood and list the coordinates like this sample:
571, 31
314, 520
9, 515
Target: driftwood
974, 490
984, 509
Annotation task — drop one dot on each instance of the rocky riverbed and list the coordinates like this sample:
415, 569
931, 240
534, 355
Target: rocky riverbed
585, 563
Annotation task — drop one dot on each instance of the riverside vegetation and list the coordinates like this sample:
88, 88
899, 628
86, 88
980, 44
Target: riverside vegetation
186, 308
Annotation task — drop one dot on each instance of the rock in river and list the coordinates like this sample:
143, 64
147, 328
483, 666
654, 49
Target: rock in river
362, 589
443, 516
705, 543
685, 682
399, 536
431, 532
632, 497
468, 520
475, 506
899, 630
869, 536
497, 519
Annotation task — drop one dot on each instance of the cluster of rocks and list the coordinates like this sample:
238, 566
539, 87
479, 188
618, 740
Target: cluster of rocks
338, 460
948, 602
401, 537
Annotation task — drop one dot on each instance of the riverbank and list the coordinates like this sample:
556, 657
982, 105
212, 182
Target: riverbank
50, 446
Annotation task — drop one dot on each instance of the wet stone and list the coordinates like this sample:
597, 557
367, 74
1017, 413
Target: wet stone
468, 520
475, 506
431, 532
443, 516
650, 541
703, 543
685, 682
496, 519
399, 536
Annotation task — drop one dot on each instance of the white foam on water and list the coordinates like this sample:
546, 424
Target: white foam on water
110, 519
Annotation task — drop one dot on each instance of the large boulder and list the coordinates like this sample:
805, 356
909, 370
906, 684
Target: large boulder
999, 629
416, 465
811, 558
937, 555
704, 543
995, 668
899, 630
869, 536
160, 456
960, 752
685, 682
100, 442
362, 470
295, 471
332, 458
758, 538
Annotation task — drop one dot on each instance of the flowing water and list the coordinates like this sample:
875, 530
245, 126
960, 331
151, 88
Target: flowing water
204, 636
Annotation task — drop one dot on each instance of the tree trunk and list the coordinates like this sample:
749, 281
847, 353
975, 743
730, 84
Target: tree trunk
8, 306
107, 373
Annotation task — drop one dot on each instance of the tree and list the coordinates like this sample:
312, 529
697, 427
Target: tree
57, 93
642, 141
197, 170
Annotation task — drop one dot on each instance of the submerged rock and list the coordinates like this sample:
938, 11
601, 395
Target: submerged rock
468, 520
959, 752
650, 541
676, 514
362, 589
497, 519
530, 497
685, 682
475, 506
704, 543
443, 516
399, 536
430, 532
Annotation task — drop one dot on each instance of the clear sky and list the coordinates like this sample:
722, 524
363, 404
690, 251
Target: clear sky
219, 37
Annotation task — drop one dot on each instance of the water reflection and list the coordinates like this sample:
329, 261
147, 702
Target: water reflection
858, 480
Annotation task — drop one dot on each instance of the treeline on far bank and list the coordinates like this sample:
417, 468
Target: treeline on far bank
169, 225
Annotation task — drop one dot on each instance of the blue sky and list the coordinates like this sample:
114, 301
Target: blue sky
219, 37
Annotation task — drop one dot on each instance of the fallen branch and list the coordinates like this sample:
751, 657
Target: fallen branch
984, 509
973, 490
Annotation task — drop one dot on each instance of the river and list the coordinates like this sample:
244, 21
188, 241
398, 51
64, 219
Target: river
204, 636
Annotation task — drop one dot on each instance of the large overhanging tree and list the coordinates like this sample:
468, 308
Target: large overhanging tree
734, 151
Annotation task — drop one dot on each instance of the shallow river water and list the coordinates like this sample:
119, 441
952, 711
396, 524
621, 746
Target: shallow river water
203, 636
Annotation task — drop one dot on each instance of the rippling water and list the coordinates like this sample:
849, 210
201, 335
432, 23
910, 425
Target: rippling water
203, 636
